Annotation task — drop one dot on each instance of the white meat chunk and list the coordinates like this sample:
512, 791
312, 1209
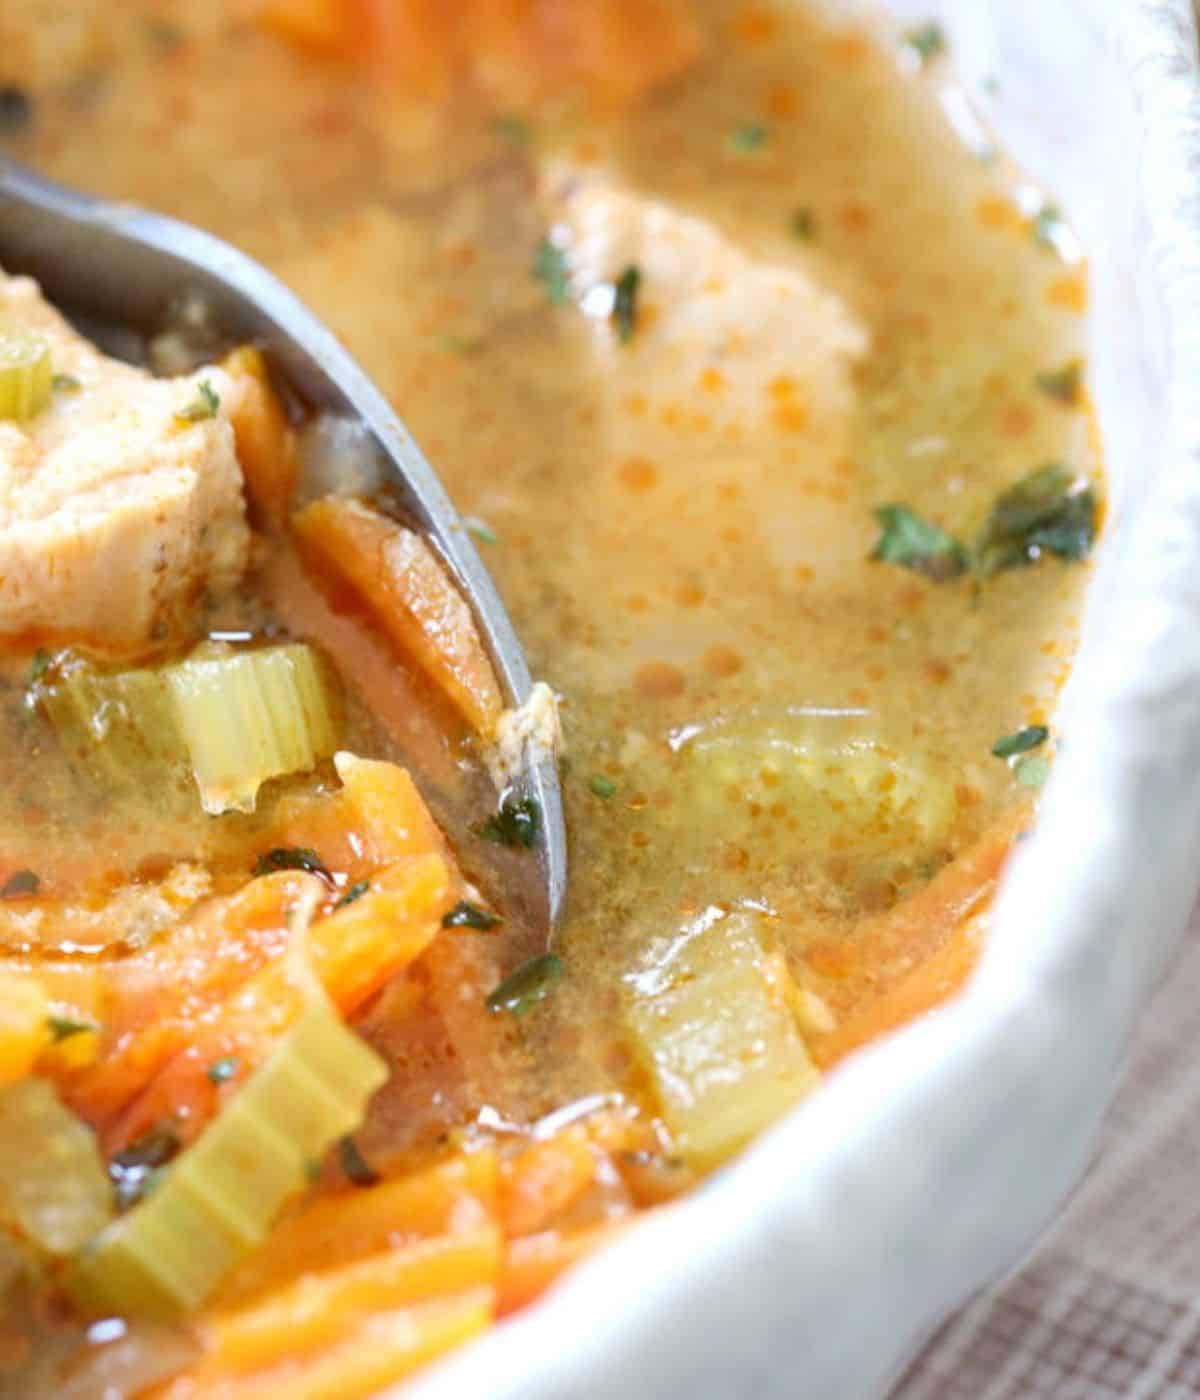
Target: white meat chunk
121, 502
704, 305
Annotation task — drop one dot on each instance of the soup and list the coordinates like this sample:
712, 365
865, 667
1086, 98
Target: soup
756, 372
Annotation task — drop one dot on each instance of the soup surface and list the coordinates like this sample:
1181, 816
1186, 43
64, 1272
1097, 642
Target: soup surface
755, 370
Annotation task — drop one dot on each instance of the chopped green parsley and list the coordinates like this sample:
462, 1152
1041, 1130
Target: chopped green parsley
550, 269
914, 543
624, 312
224, 1069
927, 41
468, 915
516, 823
521, 990
752, 136
205, 405
1064, 385
1031, 737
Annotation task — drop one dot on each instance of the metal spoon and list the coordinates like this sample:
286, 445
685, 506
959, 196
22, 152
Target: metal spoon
124, 265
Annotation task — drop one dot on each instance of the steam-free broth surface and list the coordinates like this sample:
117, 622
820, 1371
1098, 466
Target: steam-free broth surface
843, 299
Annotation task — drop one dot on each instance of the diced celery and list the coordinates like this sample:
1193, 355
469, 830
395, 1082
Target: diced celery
247, 717
838, 775
237, 719
25, 373
53, 1186
116, 725
222, 1194
713, 1027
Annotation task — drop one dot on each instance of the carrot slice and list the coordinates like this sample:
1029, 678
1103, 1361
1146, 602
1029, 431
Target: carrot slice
320, 25
319, 1307
455, 1196
359, 948
389, 813
380, 1351
545, 1179
533, 1263
378, 817
395, 575
154, 1000
353, 952
921, 951
266, 442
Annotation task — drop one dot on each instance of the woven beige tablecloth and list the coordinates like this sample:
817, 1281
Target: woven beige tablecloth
1108, 1305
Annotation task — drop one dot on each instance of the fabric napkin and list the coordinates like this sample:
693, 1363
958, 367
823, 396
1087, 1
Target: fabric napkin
1108, 1304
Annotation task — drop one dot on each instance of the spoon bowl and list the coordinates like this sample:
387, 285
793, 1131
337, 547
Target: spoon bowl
121, 265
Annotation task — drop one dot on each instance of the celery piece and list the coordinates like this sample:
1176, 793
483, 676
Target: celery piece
115, 725
712, 1026
236, 718
25, 373
220, 1197
250, 716
53, 1186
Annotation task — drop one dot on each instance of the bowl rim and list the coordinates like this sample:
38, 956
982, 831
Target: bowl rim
692, 1318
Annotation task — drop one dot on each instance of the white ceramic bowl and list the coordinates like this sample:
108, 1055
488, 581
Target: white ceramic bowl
927, 1165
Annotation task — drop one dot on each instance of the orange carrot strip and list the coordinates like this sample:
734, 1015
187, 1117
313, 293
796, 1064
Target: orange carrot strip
927, 986
458, 1195
393, 572
545, 1179
378, 1352
320, 25
266, 441
353, 952
929, 938
388, 812
367, 662
320, 1307
155, 999
533, 1263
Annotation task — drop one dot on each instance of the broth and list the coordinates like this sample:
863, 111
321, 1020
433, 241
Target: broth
844, 304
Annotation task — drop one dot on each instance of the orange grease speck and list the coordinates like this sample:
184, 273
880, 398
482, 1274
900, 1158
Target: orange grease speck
659, 680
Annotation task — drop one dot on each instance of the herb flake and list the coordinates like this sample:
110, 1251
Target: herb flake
521, 990
1063, 385
223, 1070
1047, 225
21, 884
136, 1169
65, 384
16, 109
468, 915
63, 1028
927, 41
602, 786
480, 530
1031, 737
39, 665
516, 822
356, 891
625, 294
550, 269
803, 224
203, 406
514, 130
915, 543
750, 137
291, 858
355, 1166
1050, 511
